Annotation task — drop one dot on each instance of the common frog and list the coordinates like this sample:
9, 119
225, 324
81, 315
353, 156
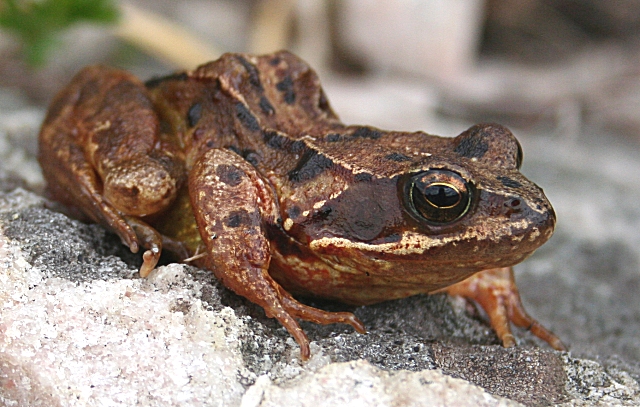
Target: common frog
242, 167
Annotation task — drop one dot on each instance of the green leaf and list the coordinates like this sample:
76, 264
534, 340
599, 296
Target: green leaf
39, 23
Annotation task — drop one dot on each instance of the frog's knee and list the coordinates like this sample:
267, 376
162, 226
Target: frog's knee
140, 186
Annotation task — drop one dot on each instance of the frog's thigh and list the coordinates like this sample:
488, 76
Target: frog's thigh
95, 158
496, 292
231, 204
73, 181
141, 173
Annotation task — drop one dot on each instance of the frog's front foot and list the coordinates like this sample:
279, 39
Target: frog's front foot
318, 316
286, 310
496, 292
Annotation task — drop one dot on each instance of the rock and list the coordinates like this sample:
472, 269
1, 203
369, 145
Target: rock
341, 383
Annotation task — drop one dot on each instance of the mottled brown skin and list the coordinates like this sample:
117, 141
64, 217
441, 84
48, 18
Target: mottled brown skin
242, 167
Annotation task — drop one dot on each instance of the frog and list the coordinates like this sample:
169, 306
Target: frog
240, 166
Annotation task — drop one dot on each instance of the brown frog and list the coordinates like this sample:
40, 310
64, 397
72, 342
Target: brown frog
242, 167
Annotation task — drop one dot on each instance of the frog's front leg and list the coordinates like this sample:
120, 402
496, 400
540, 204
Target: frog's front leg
232, 203
496, 292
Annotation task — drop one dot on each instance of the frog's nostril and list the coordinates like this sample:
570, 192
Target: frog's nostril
513, 206
514, 203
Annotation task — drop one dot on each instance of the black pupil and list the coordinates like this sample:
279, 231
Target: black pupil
442, 196
438, 196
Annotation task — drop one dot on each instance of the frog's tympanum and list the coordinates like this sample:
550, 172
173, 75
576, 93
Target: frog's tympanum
241, 167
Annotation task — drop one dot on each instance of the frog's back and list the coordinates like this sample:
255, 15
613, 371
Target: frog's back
258, 106
272, 111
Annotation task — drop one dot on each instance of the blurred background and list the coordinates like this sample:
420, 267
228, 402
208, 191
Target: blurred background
564, 75
556, 63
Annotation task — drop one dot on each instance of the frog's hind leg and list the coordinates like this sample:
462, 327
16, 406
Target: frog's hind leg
101, 152
73, 181
232, 203
496, 292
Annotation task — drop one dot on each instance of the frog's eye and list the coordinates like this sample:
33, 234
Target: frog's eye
439, 196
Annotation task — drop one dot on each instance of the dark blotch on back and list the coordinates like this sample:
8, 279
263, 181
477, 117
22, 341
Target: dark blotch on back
254, 76
310, 166
266, 106
508, 182
473, 146
286, 87
279, 142
297, 146
229, 174
153, 82
237, 218
250, 155
366, 132
247, 118
194, 114
274, 140
397, 157
333, 137
235, 149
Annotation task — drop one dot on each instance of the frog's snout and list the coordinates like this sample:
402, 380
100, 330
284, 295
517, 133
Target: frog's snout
535, 220
547, 222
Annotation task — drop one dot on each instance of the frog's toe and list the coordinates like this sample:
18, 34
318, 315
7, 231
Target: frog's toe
149, 261
287, 310
319, 316
520, 317
282, 314
496, 292
150, 239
